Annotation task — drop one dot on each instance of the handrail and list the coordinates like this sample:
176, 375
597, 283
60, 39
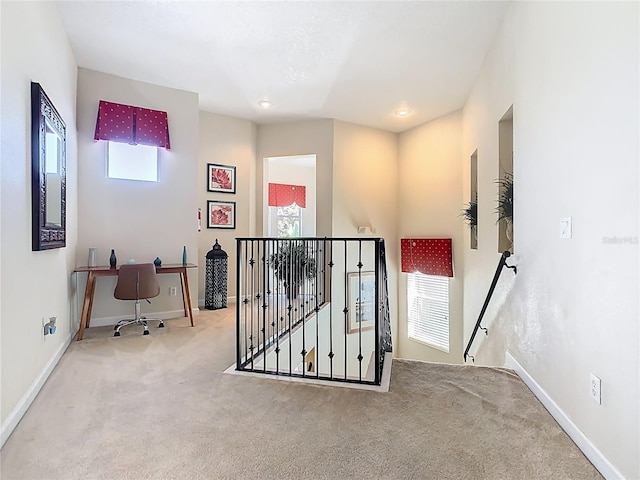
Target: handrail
502, 263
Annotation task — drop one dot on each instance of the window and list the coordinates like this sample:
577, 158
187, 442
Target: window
132, 162
428, 308
289, 221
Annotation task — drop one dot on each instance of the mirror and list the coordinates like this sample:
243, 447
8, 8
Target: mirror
48, 178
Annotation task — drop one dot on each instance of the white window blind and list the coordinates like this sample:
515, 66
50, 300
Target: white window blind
428, 307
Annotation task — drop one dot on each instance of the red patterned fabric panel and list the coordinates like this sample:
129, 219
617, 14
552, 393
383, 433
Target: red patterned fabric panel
114, 123
117, 122
282, 195
430, 256
152, 128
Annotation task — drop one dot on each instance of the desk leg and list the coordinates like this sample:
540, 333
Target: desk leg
186, 296
87, 304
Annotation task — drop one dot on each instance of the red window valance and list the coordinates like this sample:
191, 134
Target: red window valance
117, 122
430, 256
282, 195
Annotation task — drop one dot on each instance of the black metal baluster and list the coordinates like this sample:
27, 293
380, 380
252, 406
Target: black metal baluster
346, 309
331, 354
265, 301
378, 335
358, 312
317, 308
278, 314
245, 302
239, 272
251, 296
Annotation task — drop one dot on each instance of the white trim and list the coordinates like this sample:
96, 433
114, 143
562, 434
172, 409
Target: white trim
594, 455
109, 321
14, 417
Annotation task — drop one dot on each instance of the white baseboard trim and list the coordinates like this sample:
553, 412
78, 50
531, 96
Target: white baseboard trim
109, 321
12, 420
594, 455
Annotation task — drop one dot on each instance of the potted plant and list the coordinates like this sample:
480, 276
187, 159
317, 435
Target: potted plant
504, 208
293, 265
470, 214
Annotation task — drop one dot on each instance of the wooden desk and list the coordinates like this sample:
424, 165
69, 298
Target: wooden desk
95, 272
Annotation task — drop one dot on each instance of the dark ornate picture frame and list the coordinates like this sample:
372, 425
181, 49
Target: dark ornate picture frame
48, 173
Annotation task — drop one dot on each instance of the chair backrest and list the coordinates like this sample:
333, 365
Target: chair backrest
137, 281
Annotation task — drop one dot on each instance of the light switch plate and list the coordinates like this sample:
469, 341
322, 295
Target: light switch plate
565, 227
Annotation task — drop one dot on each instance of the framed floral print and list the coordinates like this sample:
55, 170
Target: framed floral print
221, 214
362, 301
221, 178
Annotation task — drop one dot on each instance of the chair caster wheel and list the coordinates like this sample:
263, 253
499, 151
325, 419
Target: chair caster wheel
146, 332
161, 325
116, 334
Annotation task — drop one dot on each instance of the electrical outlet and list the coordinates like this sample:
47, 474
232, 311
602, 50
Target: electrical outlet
595, 389
173, 291
49, 327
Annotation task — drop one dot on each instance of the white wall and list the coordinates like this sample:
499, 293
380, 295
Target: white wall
299, 138
573, 309
140, 220
324, 328
33, 285
429, 204
365, 193
227, 141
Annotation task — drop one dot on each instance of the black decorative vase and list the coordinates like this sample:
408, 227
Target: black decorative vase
157, 262
112, 259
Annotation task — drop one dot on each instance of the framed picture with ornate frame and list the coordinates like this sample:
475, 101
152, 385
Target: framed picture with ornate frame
221, 178
362, 301
221, 214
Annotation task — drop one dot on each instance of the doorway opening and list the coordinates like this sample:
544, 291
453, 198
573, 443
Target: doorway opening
290, 196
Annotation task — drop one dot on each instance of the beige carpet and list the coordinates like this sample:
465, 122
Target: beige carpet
159, 407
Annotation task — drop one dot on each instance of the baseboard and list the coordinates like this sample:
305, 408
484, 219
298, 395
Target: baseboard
109, 321
12, 420
590, 451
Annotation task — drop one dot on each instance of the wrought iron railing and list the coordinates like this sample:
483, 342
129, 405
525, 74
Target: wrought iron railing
501, 264
313, 307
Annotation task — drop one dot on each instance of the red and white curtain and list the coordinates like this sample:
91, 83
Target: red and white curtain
117, 122
283, 195
430, 256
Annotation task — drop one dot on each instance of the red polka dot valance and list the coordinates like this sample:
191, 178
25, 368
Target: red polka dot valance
282, 195
133, 125
430, 256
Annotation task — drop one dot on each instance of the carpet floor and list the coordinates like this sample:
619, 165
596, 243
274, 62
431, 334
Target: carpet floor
160, 407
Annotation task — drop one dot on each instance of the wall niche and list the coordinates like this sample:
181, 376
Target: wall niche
473, 197
505, 182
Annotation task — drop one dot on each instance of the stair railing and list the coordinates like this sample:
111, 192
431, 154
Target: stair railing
501, 264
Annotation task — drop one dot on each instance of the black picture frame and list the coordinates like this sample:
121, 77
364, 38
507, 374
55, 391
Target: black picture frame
221, 214
48, 173
221, 178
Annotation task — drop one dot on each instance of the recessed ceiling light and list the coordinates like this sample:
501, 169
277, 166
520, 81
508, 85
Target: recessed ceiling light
264, 103
402, 112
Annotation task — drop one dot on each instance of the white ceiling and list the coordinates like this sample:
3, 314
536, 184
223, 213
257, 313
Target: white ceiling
353, 61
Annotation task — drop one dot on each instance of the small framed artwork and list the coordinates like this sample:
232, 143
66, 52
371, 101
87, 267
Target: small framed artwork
362, 301
221, 214
221, 178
